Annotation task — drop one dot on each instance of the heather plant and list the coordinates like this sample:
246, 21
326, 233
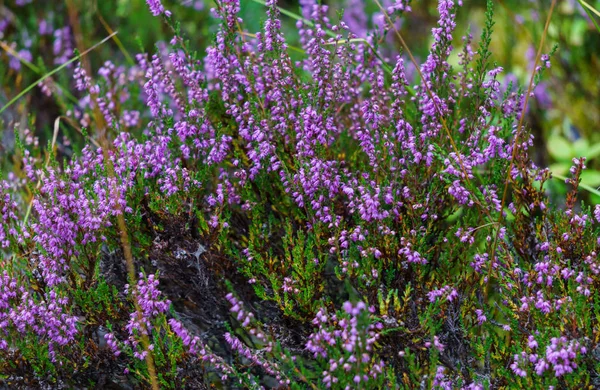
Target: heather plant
346, 217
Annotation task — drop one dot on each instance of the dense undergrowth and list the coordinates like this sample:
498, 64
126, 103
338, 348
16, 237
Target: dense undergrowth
240, 218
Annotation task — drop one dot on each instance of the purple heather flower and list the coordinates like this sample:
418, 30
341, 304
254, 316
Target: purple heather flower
62, 47
112, 343
481, 318
15, 62
156, 8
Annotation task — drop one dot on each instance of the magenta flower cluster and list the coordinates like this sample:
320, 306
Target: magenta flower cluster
347, 346
559, 358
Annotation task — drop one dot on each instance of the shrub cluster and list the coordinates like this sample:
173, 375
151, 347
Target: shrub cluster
337, 220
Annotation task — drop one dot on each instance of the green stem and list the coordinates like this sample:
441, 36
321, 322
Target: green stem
586, 5
582, 185
58, 69
588, 10
330, 33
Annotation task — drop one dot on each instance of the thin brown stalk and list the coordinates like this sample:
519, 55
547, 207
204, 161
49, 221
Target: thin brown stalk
127, 253
125, 242
115, 38
515, 143
428, 90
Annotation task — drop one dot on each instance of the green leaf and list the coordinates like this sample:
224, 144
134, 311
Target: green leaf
559, 148
593, 152
591, 178
581, 147
578, 30
559, 168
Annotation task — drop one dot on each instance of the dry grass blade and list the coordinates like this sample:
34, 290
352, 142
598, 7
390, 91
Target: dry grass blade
39, 183
115, 38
